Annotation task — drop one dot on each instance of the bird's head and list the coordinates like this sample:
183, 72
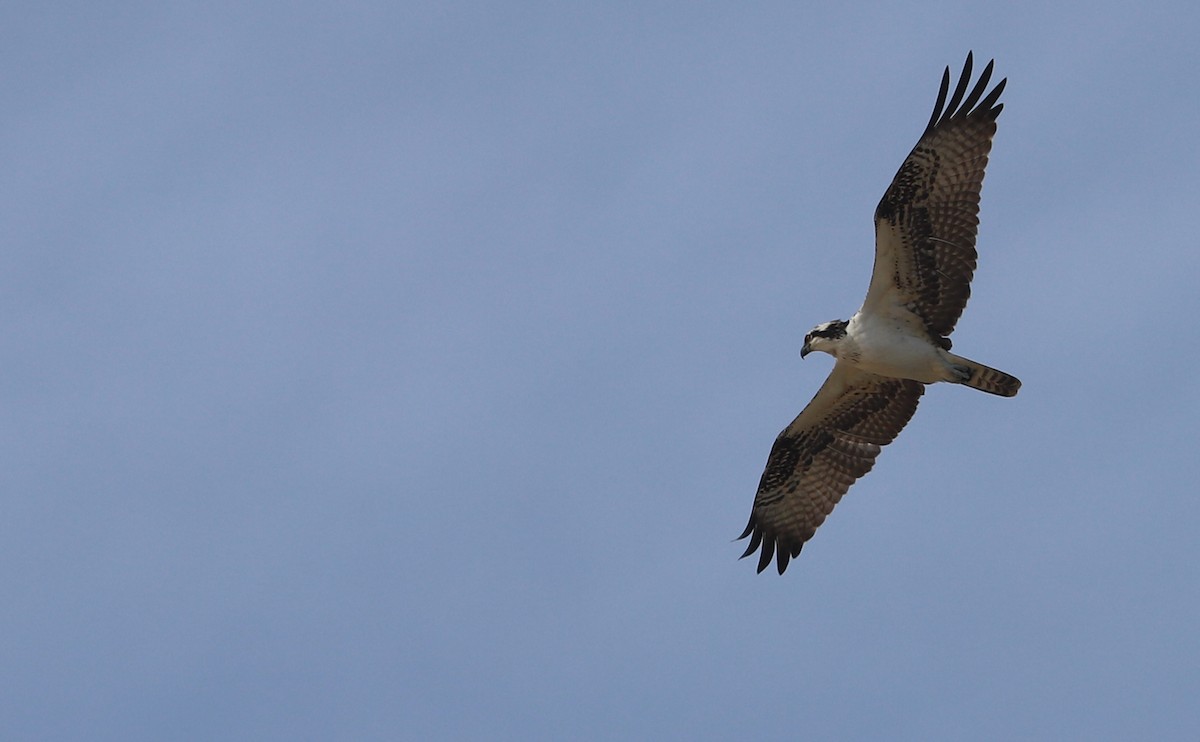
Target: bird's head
824, 337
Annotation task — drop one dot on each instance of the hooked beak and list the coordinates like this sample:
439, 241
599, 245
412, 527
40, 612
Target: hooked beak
805, 350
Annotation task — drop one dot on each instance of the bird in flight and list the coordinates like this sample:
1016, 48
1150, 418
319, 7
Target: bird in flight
898, 341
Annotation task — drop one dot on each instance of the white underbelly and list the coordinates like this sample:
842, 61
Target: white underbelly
892, 350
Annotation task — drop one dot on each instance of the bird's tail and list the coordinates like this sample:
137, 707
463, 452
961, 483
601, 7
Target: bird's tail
987, 379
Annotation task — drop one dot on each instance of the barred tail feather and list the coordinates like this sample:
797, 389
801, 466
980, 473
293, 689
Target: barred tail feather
987, 379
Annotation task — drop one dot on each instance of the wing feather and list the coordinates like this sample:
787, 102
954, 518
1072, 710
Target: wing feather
829, 445
927, 220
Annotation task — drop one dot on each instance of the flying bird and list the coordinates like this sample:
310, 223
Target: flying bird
898, 341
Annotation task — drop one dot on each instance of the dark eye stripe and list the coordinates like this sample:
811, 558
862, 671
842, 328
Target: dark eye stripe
835, 330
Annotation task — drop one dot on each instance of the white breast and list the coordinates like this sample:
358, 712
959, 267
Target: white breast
892, 347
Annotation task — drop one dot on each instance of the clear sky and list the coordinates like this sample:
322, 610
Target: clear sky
405, 371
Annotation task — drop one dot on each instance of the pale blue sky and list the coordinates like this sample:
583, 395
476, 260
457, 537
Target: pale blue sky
385, 371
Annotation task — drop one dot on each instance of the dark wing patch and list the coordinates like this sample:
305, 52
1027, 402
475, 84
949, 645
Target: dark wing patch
928, 219
832, 443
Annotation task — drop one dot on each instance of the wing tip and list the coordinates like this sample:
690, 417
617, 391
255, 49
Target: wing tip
963, 104
772, 548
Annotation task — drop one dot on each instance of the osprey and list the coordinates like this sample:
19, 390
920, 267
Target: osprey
897, 342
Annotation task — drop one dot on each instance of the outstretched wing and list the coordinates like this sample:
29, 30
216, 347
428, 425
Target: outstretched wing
926, 223
829, 445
